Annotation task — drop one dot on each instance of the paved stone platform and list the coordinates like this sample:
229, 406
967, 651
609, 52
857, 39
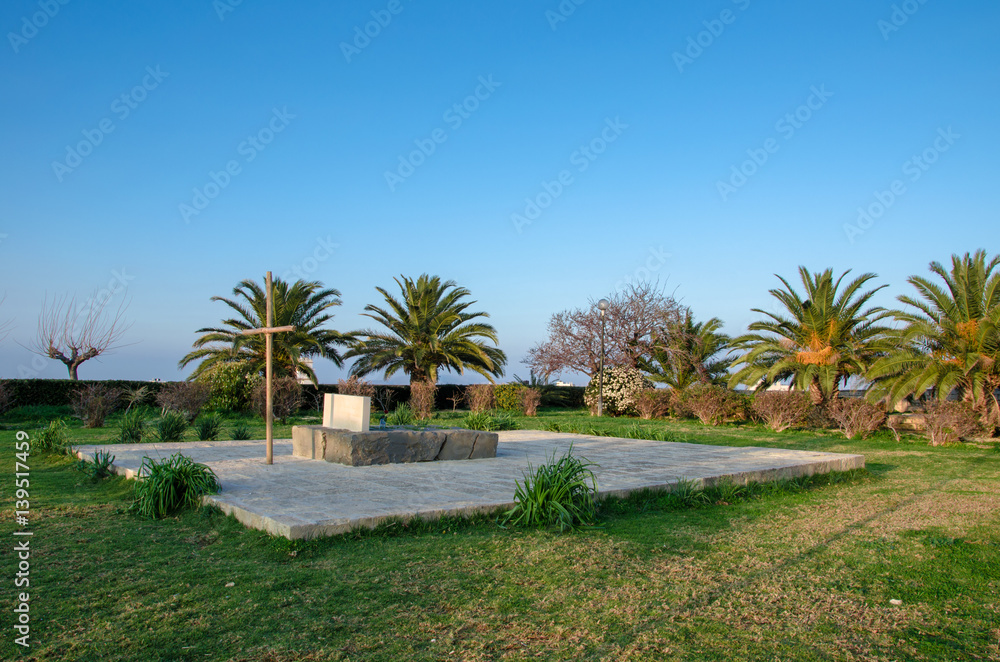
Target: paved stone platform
300, 498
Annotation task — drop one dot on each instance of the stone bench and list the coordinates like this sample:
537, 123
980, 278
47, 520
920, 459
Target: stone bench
360, 449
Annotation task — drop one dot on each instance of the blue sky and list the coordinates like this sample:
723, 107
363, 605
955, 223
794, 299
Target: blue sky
626, 123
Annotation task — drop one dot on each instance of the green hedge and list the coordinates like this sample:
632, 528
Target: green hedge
56, 392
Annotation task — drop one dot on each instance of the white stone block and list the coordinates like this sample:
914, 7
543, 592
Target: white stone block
346, 412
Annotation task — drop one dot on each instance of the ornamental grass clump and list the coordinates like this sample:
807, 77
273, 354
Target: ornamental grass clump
562, 492
171, 427
490, 421
208, 427
171, 485
131, 427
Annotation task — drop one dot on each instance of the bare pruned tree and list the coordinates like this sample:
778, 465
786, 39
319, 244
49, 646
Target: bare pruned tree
74, 334
574, 343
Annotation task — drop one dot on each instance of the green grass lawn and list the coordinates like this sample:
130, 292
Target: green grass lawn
804, 575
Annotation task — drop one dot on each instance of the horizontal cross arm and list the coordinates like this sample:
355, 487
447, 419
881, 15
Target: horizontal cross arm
268, 329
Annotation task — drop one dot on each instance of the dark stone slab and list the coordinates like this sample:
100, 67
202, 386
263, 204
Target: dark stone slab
391, 446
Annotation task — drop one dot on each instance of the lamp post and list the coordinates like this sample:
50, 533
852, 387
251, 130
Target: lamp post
602, 306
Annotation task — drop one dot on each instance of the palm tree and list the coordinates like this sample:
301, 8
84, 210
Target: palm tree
426, 330
950, 339
302, 304
826, 338
685, 353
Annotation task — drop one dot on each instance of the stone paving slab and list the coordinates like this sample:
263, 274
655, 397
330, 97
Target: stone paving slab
300, 498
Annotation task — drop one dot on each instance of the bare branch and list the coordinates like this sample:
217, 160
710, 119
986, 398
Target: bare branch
574, 342
72, 333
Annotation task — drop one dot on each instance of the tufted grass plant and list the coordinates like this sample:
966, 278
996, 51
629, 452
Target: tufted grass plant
171, 427
561, 492
240, 431
401, 415
490, 421
208, 427
131, 427
171, 485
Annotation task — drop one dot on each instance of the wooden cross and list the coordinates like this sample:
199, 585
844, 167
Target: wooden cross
268, 332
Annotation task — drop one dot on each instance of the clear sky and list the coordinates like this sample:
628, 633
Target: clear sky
538, 153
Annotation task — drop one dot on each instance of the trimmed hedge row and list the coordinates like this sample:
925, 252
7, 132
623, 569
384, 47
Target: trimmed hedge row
56, 392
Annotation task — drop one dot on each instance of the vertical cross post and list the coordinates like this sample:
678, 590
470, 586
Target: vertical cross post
268, 332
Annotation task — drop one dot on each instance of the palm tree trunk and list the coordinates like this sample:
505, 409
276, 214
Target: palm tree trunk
816, 394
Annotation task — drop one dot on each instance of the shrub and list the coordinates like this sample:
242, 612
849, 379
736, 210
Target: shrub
102, 467
384, 396
561, 492
94, 403
136, 395
479, 397
5, 398
856, 417
530, 399
710, 403
422, 399
622, 386
508, 397
240, 431
231, 386
949, 422
653, 403
354, 386
780, 410
401, 415
131, 427
52, 439
171, 485
208, 427
185, 398
286, 398
171, 427
491, 420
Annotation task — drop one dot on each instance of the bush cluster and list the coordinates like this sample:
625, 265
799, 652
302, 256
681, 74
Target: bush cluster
95, 402
780, 410
184, 398
712, 404
622, 386
286, 398
479, 397
232, 385
508, 397
422, 399
948, 422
